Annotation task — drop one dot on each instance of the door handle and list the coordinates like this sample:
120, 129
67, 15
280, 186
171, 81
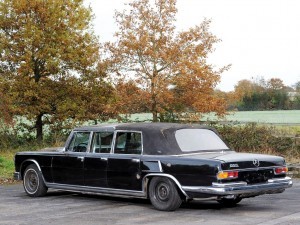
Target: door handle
103, 159
135, 160
81, 158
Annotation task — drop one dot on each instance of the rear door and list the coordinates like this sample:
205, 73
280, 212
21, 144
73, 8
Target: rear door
124, 164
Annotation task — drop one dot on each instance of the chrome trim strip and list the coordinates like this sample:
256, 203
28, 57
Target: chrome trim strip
36, 163
203, 153
271, 186
253, 169
127, 131
97, 190
164, 175
159, 166
31, 160
231, 184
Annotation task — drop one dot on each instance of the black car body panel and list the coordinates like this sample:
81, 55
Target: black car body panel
122, 159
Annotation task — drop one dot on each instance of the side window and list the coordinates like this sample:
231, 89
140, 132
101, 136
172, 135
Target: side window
102, 142
128, 143
79, 142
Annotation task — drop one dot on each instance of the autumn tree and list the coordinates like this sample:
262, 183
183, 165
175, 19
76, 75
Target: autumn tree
262, 94
297, 86
129, 98
5, 111
169, 66
48, 60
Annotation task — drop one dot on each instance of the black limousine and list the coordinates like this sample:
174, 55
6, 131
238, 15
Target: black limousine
165, 162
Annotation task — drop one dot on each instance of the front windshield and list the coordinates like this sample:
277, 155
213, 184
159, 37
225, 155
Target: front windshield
192, 140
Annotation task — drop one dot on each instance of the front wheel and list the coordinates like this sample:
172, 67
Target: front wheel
163, 194
33, 182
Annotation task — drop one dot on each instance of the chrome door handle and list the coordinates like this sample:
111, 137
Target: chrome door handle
135, 160
81, 158
103, 159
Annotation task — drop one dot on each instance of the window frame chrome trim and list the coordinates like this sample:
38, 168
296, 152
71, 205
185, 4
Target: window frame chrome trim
127, 131
112, 142
68, 142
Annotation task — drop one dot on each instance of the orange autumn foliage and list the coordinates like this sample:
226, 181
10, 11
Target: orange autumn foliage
49, 59
169, 67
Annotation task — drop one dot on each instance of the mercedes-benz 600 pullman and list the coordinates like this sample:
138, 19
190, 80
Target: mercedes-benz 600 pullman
164, 162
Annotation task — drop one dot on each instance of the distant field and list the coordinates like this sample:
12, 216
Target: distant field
289, 117
270, 117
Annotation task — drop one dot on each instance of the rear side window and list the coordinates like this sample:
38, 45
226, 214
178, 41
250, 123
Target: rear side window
102, 142
128, 143
79, 142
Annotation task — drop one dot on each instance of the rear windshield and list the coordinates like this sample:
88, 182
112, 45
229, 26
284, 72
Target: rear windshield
193, 140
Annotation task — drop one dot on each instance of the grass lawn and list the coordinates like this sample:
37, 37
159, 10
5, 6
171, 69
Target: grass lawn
6, 167
269, 117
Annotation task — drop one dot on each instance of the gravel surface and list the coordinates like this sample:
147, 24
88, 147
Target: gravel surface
60, 207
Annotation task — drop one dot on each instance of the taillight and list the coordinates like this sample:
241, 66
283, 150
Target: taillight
227, 175
280, 170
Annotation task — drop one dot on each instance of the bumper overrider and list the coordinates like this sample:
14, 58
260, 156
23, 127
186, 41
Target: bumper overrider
242, 188
17, 176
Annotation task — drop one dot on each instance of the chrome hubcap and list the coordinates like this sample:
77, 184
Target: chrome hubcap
162, 191
31, 181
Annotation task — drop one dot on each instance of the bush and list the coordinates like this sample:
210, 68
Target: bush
255, 138
19, 139
1, 162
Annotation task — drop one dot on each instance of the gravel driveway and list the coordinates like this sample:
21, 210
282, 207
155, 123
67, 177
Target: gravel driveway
60, 207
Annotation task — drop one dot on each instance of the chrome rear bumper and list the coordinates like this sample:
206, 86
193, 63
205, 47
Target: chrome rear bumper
242, 188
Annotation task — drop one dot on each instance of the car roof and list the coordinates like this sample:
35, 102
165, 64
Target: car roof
158, 138
140, 126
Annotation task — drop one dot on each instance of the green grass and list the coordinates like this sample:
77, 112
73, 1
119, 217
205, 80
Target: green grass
7, 166
269, 117
288, 117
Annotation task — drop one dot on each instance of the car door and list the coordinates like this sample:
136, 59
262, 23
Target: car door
95, 163
124, 164
68, 167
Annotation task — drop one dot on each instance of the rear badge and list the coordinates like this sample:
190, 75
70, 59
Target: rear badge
256, 162
234, 165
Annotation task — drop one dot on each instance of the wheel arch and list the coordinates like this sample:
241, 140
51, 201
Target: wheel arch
148, 177
26, 163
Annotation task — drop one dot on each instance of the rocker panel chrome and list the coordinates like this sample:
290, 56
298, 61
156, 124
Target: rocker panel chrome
116, 192
98, 190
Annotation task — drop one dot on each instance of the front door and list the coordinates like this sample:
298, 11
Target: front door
95, 163
124, 164
68, 167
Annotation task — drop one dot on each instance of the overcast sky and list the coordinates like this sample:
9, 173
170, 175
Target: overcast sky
260, 38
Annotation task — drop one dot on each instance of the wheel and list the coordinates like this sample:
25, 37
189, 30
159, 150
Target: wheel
163, 194
33, 182
230, 202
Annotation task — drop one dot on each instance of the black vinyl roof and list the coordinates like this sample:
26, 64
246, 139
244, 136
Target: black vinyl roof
158, 138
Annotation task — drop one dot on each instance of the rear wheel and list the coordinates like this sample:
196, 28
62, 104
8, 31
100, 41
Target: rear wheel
230, 202
163, 194
33, 182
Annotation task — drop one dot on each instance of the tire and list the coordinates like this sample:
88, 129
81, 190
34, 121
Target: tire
33, 182
230, 202
163, 194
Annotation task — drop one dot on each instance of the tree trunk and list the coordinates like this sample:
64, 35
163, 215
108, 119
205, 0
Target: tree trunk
153, 98
39, 128
155, 117
154, 109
